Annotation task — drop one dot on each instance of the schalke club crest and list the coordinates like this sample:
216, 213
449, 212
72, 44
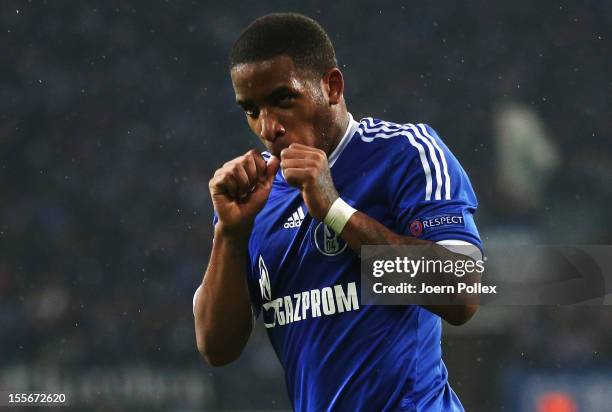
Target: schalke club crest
327, 241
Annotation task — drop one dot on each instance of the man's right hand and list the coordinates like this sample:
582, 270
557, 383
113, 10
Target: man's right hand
240, 189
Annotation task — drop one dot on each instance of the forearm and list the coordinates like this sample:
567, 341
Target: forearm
363, 230
223, 318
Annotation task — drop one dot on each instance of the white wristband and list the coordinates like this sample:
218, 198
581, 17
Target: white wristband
339, 213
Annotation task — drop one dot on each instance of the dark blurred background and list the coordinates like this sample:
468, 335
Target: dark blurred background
114, 115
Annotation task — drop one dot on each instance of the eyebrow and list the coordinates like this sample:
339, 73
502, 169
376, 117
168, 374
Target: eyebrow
279, 90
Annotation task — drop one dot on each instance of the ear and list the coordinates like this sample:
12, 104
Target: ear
333, 83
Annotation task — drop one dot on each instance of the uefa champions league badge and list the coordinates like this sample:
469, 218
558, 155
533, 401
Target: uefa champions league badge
416, 228
428, 224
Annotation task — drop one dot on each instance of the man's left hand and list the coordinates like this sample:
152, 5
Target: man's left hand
306, 168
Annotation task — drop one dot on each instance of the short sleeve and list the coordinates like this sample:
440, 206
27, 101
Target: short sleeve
430, 194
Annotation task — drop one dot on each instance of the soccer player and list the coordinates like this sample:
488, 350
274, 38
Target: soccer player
289, 224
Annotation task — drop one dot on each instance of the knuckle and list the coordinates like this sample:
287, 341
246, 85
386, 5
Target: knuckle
223, 179
248, 161
219, 175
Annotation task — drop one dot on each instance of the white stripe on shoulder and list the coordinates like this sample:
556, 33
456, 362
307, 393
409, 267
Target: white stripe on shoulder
383, 130
434, 159
423, 129
386, 130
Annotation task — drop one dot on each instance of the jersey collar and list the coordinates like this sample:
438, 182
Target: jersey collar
348, 134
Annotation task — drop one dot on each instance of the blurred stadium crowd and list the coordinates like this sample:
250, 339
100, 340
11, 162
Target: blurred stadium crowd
114, 115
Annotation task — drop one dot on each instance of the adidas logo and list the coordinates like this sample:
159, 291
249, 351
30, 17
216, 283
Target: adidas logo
295, 220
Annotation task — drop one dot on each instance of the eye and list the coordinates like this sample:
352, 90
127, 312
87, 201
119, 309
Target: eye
284, 100
252, 112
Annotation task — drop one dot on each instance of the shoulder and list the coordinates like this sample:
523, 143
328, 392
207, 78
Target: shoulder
376, 130
397, 140
415, 150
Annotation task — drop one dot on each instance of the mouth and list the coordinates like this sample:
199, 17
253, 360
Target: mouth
276, 149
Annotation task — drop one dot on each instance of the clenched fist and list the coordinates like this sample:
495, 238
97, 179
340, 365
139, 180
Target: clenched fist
240, 189
306, 168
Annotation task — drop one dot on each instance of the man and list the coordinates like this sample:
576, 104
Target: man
289, 224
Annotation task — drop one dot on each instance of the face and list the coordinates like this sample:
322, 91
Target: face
283, 105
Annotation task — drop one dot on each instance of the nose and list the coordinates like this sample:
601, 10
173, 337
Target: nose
270, 126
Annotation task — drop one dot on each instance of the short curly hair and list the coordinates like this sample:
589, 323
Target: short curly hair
295, 35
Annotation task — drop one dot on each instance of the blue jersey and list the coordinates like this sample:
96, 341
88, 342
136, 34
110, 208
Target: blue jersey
304, 281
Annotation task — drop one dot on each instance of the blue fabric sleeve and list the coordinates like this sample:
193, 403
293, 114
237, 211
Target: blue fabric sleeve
430, 194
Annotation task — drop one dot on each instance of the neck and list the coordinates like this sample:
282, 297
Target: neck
340, 122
